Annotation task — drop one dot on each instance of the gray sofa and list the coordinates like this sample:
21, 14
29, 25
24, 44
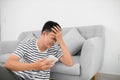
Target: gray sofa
87, 61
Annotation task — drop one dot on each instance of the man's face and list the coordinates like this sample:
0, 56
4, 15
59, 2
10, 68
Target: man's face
49, 39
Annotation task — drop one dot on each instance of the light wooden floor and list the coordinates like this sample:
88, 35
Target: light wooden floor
102, 76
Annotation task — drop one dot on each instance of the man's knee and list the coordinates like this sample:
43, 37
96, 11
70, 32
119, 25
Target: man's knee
2, 69
51, 79
2, 73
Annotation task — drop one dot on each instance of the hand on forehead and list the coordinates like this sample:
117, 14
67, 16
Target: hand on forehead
56, 29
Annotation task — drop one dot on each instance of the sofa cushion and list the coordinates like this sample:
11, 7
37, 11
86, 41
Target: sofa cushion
73, 70
25, 36
73, 41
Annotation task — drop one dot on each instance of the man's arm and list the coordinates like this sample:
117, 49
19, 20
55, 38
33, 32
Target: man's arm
14, 64
66, 58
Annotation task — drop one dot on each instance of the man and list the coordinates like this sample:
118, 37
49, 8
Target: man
29, 60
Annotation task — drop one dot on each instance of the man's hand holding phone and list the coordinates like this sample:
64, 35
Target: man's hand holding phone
42, 64
51, 57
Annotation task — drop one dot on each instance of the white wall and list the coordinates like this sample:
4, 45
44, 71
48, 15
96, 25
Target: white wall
24, 15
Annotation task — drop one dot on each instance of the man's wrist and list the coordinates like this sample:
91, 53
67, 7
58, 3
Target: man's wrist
32, 66
60, 40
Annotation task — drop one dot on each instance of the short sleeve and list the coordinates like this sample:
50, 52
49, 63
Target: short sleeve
57, 51
20, 50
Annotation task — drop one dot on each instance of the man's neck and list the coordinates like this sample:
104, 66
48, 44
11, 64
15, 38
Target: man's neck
40, 45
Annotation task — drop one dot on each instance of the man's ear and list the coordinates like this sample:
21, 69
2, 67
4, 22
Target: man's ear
44, 33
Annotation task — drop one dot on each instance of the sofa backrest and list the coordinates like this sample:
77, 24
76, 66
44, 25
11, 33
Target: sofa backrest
85, 31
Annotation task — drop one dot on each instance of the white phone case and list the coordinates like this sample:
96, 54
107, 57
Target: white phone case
51, 57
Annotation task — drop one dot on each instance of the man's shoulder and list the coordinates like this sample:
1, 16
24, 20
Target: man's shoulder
28, 41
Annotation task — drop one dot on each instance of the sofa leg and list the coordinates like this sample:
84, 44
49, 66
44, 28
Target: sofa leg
95, 77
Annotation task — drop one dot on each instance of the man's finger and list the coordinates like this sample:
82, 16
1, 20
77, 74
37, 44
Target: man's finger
57, 28
43, 59
54, 30
45, 67
48, 62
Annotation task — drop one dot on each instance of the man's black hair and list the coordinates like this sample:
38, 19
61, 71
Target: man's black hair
49, 25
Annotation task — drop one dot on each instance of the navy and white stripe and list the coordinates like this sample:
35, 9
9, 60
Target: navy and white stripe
29, 53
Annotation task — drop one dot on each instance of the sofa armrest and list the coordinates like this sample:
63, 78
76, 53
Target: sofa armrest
7, 46
91, 57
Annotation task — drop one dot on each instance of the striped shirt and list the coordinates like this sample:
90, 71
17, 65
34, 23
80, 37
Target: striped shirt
28, 52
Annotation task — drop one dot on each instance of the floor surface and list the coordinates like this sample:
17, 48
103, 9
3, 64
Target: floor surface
107, 77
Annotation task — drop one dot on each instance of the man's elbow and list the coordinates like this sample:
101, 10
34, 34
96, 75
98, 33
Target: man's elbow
8, 64
70, 64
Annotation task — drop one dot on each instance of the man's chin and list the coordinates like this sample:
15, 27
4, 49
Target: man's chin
49, 46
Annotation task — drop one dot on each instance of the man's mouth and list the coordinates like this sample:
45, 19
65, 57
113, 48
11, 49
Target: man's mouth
51, 44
